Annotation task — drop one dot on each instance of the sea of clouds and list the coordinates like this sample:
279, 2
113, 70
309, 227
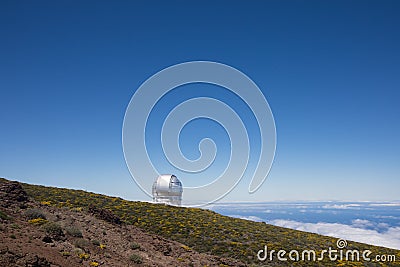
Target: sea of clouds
371, 223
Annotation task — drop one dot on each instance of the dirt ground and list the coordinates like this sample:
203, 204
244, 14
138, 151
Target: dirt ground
78, 238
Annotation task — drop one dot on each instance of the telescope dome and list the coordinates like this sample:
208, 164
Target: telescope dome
167, 189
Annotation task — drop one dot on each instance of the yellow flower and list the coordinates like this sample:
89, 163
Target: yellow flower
77, 209
37, 221
84, 256
186, 248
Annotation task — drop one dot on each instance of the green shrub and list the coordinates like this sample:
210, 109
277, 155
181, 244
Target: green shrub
136, 258
134, 245
96, 242
15, 226
81, 243
3, 215
34, 214
74, 231
53, 229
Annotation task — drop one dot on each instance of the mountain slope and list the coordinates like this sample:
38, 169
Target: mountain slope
40, 235
206, 231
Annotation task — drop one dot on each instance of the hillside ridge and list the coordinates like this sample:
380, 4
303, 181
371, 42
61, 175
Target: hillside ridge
203, 231
38, 234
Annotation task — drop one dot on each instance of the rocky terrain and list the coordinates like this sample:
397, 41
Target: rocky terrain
37, 234
49, 226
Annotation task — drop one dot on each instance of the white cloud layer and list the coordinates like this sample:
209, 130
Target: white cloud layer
249, 218
340, 206
358, 231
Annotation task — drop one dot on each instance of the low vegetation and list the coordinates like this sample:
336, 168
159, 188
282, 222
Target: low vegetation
134, 245
38, 221
199, 229
136, 258
34, 214
79, 236
74, 231
54, 230
3, 215
81, 243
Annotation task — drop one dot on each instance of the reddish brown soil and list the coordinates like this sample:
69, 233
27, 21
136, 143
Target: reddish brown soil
25, 244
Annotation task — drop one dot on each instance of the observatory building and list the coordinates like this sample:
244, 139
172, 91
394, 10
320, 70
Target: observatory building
167, 189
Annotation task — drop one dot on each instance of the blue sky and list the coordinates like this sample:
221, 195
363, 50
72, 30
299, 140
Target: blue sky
329, 70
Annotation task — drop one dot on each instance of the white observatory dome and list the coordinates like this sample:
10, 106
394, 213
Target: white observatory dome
167, 189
